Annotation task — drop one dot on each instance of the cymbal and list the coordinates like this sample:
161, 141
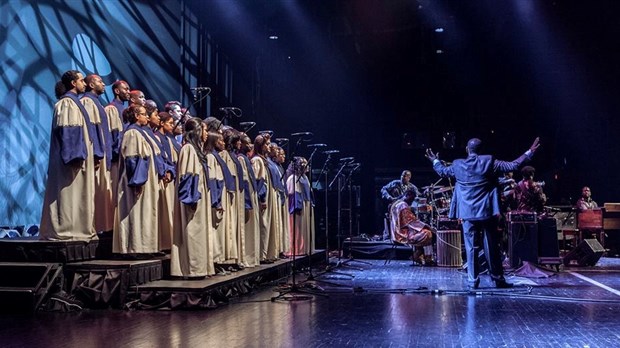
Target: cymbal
442, 190
431, 187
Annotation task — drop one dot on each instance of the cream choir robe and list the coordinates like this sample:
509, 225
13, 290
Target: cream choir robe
192, 241
69, 203
115, 122
135, 221
223, 250
104, 205
270, 217
251, 214
285, 244
167, 203
301, 215
236, 214
163, 165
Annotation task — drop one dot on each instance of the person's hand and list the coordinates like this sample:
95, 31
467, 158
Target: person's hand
97, 164
535, 144
431, 156
263, 206
167, 177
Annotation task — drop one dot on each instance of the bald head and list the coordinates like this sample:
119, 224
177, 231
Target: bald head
473, 145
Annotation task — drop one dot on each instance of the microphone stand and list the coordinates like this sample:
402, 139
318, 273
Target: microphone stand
328, 268
311, 276
293, 287
196, 101
347, 184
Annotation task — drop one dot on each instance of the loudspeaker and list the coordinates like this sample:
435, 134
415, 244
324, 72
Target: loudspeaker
548, 238
522, 243
587, 253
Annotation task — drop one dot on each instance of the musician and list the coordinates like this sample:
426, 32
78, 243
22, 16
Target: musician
476, 202
586, 202
407, 229
529, 193
395, 188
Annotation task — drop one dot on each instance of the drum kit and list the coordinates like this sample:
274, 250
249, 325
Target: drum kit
432, 207
433, 204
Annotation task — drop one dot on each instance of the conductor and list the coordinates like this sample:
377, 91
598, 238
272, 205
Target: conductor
476, 202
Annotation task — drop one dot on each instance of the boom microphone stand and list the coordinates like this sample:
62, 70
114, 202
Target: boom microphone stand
328, 268
347, 184
293, 287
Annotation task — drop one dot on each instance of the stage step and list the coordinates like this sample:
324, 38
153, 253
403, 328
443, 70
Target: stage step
23, 286
106, 283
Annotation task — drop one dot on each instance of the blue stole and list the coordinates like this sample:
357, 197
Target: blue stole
250, 171
107, 136
120, 106
158, 161
234, 158
229, 181
92, 132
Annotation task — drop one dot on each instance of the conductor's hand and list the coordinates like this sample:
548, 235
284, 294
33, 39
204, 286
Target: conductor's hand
535, 144
431, 156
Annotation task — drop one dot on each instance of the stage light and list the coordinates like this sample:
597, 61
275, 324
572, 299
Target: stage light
273, 37
439, 51
439, 30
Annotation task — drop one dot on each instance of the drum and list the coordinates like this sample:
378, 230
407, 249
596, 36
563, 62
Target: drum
449, 248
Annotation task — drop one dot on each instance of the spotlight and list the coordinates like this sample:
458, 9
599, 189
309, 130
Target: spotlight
439, 51
273, 37
439, 30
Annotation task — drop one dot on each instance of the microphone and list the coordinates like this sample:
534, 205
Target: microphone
270, 132
347, 159
329, 152
354, 164
316, 145
208, 89
281, 140
230, 108
246, 126
302, 134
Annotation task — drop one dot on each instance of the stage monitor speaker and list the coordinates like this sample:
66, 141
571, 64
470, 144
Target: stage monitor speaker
587, 253
522, 243
548, 238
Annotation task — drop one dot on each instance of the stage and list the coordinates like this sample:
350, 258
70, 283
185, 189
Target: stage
376, 305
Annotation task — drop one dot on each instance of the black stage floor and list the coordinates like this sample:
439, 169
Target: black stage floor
393, 305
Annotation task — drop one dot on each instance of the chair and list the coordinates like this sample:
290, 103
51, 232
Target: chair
392, 224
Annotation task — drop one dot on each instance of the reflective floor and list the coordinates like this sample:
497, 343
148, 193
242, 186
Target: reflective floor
393, 305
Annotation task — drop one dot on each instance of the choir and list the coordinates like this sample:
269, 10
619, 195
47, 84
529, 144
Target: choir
216, 201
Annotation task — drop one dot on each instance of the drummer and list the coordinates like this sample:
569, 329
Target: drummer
396, 188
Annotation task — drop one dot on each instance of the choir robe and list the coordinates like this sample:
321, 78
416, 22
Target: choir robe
168, 194
282, 205
251, 213
136, 223
236, 213
224, 244
166, 190
192, 242
114, 110
285, 244
270, 217
301, 215
104, 205
69, 204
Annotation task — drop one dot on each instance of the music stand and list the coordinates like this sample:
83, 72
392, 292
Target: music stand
347, 184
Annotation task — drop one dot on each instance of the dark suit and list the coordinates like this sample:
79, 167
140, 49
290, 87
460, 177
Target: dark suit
476, 202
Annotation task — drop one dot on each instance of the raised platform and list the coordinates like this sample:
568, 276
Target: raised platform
31, 249
385, 249
215, 290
